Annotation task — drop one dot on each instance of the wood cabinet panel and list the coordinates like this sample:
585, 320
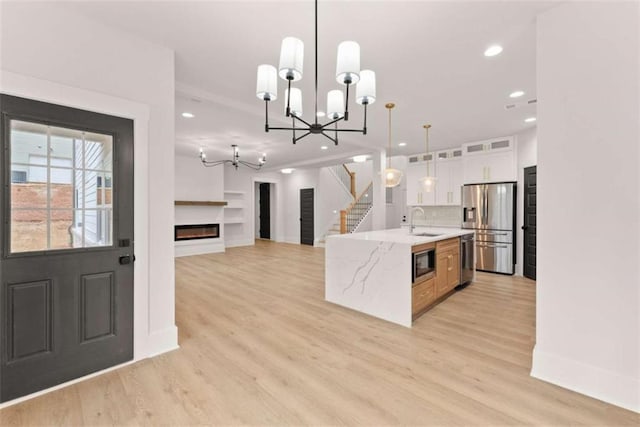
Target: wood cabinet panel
422, 295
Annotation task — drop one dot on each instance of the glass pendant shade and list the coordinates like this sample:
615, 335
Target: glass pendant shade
291, 58
335, 104
267, 83
295, 102
427, 183
366, 88
348, 65
392, 177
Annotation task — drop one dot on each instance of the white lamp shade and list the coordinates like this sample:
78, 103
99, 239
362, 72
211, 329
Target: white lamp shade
366, 88
428, 183
267, 84
335, 104
295, 102
291, 58
348, 65
392, 177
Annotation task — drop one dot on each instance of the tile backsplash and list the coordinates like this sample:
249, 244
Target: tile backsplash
443, 216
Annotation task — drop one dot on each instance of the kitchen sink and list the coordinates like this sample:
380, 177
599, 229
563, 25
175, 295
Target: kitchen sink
426, 234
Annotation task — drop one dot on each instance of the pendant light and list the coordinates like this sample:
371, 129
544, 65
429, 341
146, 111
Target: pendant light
427, 182
392, 177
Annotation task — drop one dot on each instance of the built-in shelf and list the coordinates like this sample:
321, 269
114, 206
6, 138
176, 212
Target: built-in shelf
234, 192
199, 203
233, 221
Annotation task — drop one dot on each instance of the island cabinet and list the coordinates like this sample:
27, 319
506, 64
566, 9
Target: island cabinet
447, 266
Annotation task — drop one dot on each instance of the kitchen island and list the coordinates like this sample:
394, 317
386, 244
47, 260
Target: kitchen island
371, 272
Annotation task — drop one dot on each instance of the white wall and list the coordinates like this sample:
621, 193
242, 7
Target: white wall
527, 156
588, 302
396, 210
364, 174
69, 60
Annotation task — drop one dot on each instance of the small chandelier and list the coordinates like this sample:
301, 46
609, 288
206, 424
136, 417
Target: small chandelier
427, 182
235, 161
348, 73
392, 176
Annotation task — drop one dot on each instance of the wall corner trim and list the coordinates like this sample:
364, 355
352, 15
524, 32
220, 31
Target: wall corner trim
586, 379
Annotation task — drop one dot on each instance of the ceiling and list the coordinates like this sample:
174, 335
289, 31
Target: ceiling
428, 58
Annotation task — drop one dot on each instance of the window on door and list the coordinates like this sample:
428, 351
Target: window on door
61, 192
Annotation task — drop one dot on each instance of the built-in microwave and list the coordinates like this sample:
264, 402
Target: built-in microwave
424, 264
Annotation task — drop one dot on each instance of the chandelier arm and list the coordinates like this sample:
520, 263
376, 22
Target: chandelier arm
288, 111
301, 120
266, 115
333, 121
351, 130
346, 104
293, 123
281, 128
254, 166
215, 163
334, 140
364, 128
336, 128
300, 137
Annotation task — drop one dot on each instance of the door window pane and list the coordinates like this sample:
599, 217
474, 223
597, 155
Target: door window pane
61, 188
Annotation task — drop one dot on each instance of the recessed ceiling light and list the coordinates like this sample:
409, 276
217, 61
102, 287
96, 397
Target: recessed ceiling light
360, 159
324, 147
402, 144
320, 114
493, 50
516, 94
530, 120
187, 115
287, 170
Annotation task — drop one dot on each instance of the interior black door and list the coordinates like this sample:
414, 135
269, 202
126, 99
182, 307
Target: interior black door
66, 264
306, 216
529, 261
265, 211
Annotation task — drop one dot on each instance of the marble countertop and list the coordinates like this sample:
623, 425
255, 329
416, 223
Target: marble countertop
401, 235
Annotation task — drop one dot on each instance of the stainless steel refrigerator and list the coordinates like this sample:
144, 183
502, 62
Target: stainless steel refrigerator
490, 210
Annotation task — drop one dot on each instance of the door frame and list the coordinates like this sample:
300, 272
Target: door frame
146, 342
274, 194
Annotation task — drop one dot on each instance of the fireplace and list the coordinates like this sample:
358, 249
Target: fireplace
196, 231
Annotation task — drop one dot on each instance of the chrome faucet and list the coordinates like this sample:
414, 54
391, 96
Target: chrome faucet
412, 215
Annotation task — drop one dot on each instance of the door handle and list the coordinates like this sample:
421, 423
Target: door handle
524, 227
493, 246
126, 259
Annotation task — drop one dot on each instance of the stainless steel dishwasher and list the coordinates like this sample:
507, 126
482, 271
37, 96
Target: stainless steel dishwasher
467, 259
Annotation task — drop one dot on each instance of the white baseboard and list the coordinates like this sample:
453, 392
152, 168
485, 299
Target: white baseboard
198, 247
587, 379
162, 341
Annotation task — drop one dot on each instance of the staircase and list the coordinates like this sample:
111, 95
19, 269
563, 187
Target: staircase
352, 217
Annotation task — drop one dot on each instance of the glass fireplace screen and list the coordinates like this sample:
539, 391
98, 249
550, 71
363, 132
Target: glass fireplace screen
197, 231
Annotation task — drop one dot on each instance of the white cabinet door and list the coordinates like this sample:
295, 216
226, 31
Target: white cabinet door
456, 182
475, 169
443, 183
500, 166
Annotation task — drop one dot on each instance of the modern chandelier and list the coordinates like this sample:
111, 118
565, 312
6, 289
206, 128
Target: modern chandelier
235, 161
392, 177
427, 182
348, 73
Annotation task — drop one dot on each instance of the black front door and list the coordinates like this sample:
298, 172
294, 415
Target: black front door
306, 216
66, 264
265, 211
529, 261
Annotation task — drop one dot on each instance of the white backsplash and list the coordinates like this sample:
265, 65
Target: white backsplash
439, 216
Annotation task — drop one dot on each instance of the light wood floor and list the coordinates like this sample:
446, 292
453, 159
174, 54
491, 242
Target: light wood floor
259, 345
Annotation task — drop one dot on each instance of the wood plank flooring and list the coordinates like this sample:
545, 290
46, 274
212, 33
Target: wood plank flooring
260, 346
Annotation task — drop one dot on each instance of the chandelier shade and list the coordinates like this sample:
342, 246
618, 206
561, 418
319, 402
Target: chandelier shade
348, 73
291, 59
335, 104
267, 83
348, 63
295, 101
366, 88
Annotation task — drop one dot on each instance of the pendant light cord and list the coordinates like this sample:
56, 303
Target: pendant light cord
389, 151
426, 128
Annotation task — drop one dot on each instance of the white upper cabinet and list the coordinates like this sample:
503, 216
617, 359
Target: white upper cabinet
449, 174
490, 161
416, 169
